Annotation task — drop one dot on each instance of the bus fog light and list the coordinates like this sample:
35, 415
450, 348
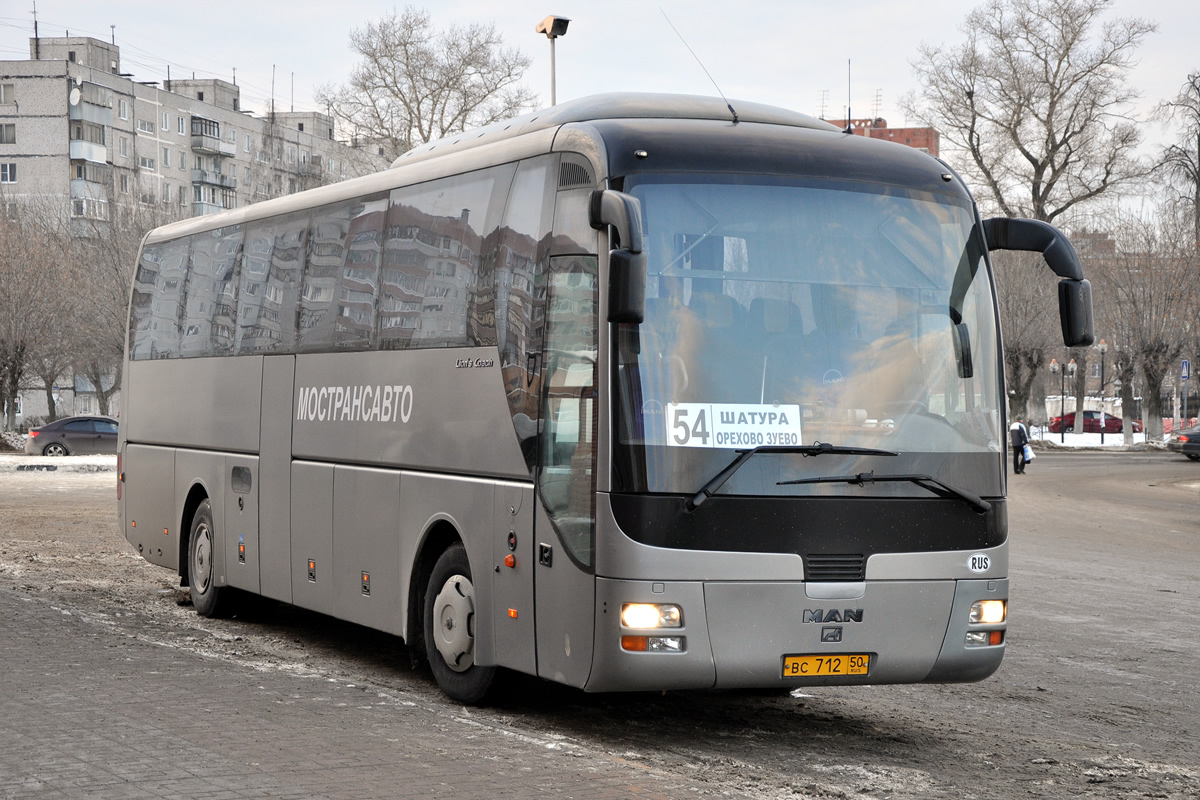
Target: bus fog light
666, 644
651, 615
654, 644
985, 638
988, 612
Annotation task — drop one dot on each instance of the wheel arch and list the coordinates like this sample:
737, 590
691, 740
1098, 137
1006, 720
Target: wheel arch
439, 536
196, 495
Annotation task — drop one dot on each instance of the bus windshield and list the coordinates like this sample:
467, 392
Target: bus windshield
784, 312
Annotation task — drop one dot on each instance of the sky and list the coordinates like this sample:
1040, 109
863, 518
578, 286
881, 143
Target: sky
791, 53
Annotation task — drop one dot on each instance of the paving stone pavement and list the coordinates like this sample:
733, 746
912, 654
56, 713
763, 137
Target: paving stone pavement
88, 711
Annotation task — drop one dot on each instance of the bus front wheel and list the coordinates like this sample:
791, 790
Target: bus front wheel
450, 626
207, 598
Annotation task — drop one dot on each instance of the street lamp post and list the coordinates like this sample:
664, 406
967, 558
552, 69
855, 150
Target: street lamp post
554, 27
1103, 348
1062, 401
1062, 372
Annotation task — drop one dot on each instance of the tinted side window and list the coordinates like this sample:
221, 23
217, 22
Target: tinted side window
79, 426
157, 300
431, 293
209, 310
354, 325
322, 274
269, 286
106, 427
519, 258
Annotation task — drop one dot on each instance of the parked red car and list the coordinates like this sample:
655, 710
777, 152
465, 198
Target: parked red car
1091, 423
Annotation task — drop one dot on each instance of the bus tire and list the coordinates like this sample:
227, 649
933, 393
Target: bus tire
207, 598
450, 629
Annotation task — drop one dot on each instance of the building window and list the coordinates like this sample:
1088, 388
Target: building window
124, 183
122, 109
124, 146
181, 125
232, 136
166, 198
166, 125
8, 173
166, 161
291, 153
200, 96
71, 56
7, 96
246, 143
146, 163
8, 133
182, 159
145, 126
302, 127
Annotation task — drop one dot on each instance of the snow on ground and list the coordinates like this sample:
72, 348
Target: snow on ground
1111, 440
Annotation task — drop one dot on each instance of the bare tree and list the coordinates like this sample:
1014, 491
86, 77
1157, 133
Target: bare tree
415, 84
1036, 100
1181, 161
1153, 300
1029, 312
30, 298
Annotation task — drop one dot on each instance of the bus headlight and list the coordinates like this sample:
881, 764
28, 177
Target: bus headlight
988, 612
651, 615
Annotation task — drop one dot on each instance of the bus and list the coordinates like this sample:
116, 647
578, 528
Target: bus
637, 392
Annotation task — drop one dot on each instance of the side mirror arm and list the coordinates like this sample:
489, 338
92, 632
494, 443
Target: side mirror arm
1074, 292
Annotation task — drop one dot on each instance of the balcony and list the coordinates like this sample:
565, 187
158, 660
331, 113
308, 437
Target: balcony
88, 151
206, 138
213, 179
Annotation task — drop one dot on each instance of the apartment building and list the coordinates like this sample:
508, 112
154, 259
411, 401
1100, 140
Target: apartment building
72, 123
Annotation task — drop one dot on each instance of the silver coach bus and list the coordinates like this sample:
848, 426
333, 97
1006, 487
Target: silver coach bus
629, 393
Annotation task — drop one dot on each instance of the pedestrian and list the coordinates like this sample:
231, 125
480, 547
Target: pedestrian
1018, 435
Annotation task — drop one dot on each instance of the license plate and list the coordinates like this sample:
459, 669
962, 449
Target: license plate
818, 666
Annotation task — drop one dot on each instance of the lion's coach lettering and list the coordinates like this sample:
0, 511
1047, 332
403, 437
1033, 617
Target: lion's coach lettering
365, 403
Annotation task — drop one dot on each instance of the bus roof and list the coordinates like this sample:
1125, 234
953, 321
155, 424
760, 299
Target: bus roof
616, 105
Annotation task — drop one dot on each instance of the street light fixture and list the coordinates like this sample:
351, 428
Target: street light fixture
1103, 348
554, 27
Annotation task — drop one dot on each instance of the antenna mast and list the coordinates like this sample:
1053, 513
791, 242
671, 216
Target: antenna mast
849, 116
701, 63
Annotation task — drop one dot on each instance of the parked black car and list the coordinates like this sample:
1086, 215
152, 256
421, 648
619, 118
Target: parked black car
73, 436
1186, 441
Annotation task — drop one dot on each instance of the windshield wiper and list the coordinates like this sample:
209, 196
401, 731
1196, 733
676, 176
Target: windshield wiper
926, 481
815, 449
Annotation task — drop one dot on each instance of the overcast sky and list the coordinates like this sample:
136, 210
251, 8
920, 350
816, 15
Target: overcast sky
790, 53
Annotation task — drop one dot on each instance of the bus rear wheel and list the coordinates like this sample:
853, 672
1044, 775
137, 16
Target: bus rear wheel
450, 626
207, 598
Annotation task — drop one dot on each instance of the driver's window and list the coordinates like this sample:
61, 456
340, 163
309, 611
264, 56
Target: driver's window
568, 453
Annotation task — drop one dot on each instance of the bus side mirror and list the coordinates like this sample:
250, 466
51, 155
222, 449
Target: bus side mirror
1075, 312
1074, 293
627, 265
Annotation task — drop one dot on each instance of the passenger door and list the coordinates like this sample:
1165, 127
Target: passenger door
566, 516
80, 437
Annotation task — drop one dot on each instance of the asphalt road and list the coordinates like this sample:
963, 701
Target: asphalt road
112, 687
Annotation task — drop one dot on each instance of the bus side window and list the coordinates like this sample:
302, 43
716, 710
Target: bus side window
567, 476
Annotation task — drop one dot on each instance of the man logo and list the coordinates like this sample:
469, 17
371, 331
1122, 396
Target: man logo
832, 615
832, 634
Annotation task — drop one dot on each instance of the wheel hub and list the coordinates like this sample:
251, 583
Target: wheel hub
202, 568
453, 617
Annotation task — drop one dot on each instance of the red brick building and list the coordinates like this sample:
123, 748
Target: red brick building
927, 139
